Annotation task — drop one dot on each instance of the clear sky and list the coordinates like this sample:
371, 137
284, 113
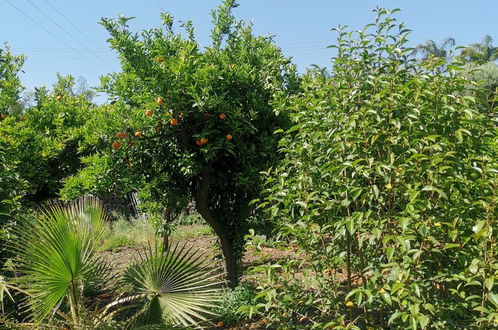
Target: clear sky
67, 38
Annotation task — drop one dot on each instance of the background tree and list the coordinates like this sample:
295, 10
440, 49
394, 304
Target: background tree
189, 123
10, 84
432, 49
480, 52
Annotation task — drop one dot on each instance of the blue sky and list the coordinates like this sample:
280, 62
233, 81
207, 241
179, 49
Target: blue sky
302, 27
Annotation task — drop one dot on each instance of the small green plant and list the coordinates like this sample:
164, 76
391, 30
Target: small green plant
231, 309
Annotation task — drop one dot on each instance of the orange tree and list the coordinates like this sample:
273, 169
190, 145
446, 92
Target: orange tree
189, 123
12, 187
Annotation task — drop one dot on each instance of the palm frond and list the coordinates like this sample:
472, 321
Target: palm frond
56, 255
175, 287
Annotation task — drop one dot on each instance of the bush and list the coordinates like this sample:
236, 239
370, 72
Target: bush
231, 309
388, 191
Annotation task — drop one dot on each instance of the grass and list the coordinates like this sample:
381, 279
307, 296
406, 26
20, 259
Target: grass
127, 233
185, 232
136, 232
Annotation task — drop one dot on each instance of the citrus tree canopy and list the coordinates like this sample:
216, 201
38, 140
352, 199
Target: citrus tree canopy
190, 123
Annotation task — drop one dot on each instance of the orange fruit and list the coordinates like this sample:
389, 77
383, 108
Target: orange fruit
220, 324
58, 98
204, 141
3, 116
229, 136
180, 115
119, 135
198, 142
159, 59
173, 122
138, 134
222, 116
116, 145
160, 101
149, 113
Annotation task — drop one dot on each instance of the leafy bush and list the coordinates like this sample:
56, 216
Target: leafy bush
233, 301
388, 192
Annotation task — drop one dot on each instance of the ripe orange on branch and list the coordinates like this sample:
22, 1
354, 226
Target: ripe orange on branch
160, 101
116, 145
229, 136
222, 116
138, 134
149, 113
204, 141
173, 122
3, 116
159, 59
58, 98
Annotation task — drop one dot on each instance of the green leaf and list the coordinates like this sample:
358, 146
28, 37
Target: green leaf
489, 282
423, 321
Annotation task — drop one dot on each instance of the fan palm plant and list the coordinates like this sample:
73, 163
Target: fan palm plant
56, 257
172, 287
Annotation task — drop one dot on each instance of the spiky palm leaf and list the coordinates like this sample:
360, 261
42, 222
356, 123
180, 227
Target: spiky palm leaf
175, 287
56, 255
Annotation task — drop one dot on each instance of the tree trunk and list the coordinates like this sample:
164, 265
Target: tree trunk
202, 204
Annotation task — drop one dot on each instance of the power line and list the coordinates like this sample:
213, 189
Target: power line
51, 33
59, 50
72, 24
62, 29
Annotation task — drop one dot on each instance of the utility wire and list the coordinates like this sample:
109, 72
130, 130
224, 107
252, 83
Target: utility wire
62, 29
52, 34
72, 24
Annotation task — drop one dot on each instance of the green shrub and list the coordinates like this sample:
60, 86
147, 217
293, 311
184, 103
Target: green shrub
388, 192
231, 309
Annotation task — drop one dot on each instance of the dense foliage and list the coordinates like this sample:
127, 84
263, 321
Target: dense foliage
190, 123
389, 191
12, 187
379, 178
